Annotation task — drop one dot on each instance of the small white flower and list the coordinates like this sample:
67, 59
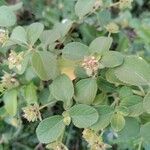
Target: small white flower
3, 36
112, 28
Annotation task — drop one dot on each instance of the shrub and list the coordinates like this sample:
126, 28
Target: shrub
81, 77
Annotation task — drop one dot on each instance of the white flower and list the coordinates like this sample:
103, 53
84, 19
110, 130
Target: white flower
32, 113
112, 28
15, 60
3, 36
125, 4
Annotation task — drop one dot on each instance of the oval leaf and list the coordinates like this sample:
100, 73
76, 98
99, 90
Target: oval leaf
83, 115
45, 65
10, 100
7, 17
62, 88
50, 129
134, 71
117, 122
85, 90
112, 59
34, 31
75, 51
100, 45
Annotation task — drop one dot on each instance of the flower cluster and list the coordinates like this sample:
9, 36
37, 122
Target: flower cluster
125, 4
94, 141
32, 113
8, 81
91, 65
3, 36
112, 28
98, 4
14, 60
56, 146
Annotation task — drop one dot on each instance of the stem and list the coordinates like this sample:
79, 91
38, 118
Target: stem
114, 4
142, 90
140, 145
46, 105
109, 34
138, 93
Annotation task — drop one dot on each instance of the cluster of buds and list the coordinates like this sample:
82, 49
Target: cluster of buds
15, 60
8, 81
112, 28
67, 118
56, 146
91, 65
94, 141
125, 4
3, 36
32, 113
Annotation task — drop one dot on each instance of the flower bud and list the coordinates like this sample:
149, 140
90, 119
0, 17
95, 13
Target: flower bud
32, 113
67, 118
125, 4
15, 60
91, 65
3, 36
112, 28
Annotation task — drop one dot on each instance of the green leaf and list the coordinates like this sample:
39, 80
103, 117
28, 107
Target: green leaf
134, 71
34, 31
10, 100
7, 17
100, 45
19, 35
45, 65
134, 104
117, 122
111, 77
85, 91
31, 94
16, 6
75, 51
105, 115
83, 116
50, 129
62, 88
146, 102
112, 59
125, 92
84, 7
144, 132
63, 28
130, 131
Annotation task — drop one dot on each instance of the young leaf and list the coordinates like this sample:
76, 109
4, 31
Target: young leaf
85, 91
84, 7
134, 71
50, 129
31, 94
75, 51
146, 103
105, 115
112, 59
34, 31
117, 122
83, 116
45, 65
62, 88
10, 100
144, 132
19, 35
100, 45
7, 17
